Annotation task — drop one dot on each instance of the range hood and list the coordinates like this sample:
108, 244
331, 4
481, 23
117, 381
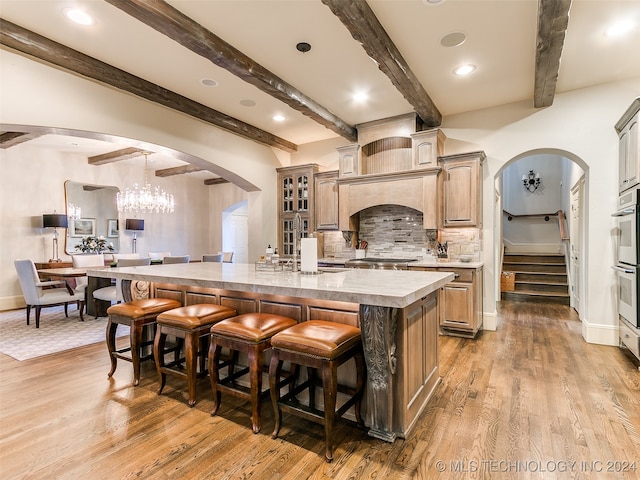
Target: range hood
392, 164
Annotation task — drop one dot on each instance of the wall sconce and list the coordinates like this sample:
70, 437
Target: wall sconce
55, 221
531, 181
136, 225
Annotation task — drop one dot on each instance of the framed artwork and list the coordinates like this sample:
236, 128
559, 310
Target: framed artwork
83, 227
112, 228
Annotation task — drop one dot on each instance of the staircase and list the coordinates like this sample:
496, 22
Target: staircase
538, 277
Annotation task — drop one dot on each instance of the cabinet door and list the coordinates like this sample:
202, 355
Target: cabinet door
460, 205
326, 196
633, 155
457, 306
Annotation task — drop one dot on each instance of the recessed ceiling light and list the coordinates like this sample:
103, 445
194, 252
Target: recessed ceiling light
360, 97
303, 47
620, 28
247, 103
463, 70
78, 16
453, 39
209, 82
279, 118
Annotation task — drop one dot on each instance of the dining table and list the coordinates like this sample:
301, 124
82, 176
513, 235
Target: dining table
97, 309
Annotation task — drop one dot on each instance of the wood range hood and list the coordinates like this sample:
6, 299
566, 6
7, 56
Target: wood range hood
393, 163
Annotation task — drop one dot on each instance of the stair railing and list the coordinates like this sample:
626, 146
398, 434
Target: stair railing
562, 220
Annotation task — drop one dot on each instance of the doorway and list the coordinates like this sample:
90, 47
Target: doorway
235, 236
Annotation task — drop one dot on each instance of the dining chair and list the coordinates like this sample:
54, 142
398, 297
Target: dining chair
113, 293
118, 256
158, 255
83, 261
35, 295
177, 259
227, 257
212, 257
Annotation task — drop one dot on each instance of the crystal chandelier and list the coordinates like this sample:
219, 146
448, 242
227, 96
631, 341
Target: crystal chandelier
145, 199
74, 212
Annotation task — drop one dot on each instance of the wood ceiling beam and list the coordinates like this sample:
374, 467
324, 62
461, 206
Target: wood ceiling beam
169, 21
367, 30
215, 181
116, 156
553, 20
11, 139
168, 172
42, 48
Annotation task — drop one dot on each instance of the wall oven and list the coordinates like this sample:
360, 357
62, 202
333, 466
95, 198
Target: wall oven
628, 259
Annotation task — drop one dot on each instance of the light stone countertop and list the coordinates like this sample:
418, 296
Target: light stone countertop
387, 288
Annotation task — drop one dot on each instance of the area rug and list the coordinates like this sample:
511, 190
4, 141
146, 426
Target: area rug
57, 333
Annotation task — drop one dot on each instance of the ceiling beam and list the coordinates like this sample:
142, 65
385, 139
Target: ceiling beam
215, 181
167, 20
553, 19
11, 139
367, 30
116, 156
168, 172
47, 50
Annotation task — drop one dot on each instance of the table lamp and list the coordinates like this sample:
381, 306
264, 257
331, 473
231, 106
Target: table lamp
136, 225
55, 221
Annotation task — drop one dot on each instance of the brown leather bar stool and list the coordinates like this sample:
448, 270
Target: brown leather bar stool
249, 333
192, 324
318, 345
136, 314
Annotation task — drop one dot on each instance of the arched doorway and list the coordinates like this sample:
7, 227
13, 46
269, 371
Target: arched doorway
563, 186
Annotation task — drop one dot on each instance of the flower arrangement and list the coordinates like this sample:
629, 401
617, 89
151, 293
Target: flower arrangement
94, 245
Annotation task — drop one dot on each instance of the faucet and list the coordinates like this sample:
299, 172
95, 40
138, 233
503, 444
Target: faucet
297, 233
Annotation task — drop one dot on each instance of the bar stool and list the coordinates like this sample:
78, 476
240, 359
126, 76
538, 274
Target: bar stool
191, 324
323, 345
136, 315
249, 333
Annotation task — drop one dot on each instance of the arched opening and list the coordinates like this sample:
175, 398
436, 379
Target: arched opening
235, 237
521, 223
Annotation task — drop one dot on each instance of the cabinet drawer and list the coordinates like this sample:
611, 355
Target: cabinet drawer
631, 338
464, 275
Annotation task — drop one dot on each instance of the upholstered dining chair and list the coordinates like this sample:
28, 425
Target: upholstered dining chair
83, 261
227, 257
212, 257
37, 296
177, 259
113, 293
158, 255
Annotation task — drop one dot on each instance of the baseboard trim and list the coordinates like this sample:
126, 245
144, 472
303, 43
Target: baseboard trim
490, 321
12, 303
601, 334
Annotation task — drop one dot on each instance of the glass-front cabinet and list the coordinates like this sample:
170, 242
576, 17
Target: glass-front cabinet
295, 191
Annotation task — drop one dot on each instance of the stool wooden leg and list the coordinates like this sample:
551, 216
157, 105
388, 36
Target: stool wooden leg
214, 374
311, 378
111, 345
136, 340
255, 361
158, 347
275, 370
330, 387
190, 353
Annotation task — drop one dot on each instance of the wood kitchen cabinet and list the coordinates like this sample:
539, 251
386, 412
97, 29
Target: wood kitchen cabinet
629, 147
460, 301
326, 200
461, 189
295, 195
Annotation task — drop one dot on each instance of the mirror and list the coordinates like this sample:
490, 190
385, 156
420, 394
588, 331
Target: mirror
99, 215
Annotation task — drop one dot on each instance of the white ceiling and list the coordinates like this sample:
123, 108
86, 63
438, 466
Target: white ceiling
500, 41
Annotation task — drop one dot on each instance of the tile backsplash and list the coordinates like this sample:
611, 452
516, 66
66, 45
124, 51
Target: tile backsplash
394, 231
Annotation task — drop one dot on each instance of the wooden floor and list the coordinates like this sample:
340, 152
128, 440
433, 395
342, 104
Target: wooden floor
531, 400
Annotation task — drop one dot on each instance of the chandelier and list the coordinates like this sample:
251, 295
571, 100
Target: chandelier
74, 211
145, 199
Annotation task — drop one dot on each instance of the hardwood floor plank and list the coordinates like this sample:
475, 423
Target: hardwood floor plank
513, 404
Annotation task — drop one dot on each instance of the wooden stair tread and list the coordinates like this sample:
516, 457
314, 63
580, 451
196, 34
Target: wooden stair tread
533, 282
539, 294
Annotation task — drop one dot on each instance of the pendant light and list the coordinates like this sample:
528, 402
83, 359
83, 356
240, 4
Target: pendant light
145, 198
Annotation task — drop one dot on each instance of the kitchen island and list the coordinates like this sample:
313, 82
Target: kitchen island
395, 310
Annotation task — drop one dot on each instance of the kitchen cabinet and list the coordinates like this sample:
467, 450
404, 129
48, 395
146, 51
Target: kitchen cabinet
461, 189
295, 195
629, 147
460, 301
326, 200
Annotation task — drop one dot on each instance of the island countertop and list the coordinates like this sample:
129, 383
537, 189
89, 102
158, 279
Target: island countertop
386, 288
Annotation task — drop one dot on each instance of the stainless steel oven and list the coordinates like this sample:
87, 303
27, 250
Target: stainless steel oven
627, 284
627, 226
